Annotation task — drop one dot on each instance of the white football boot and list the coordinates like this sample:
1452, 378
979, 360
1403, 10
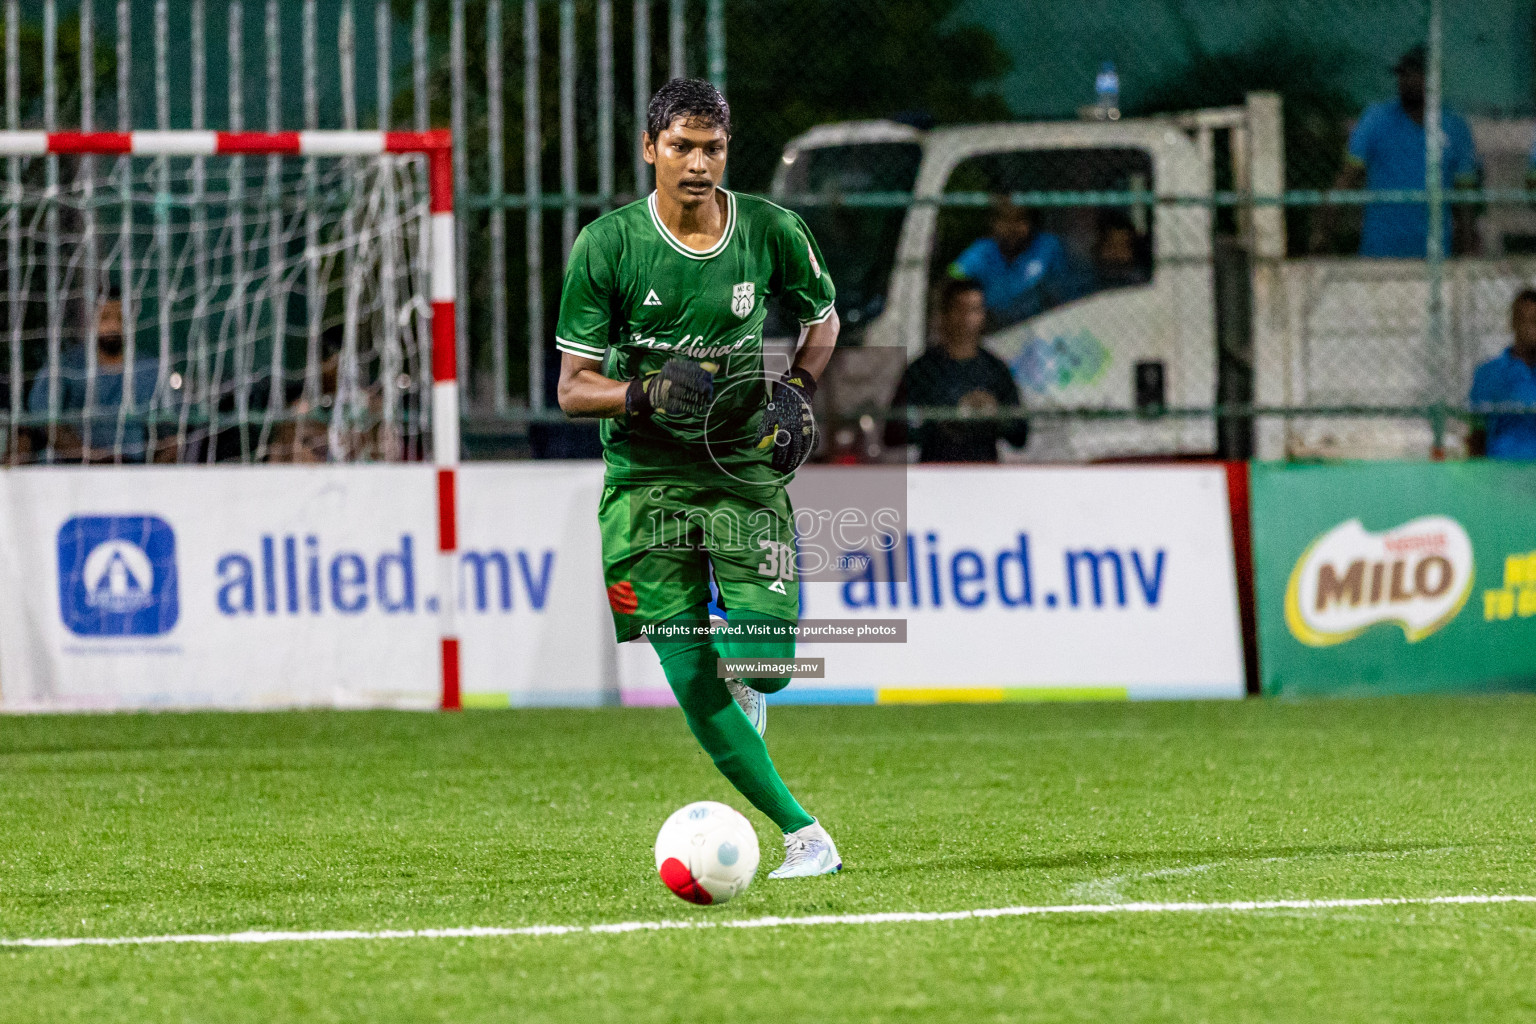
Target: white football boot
808, 851
753, 703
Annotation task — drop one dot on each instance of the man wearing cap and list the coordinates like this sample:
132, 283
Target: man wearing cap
1386, 151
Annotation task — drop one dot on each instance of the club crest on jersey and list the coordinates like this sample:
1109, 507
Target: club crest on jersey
743, 298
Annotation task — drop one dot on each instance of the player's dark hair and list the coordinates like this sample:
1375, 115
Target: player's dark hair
698, 103
1525, 295
953, 289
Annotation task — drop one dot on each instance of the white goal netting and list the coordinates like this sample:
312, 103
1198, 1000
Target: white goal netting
221, 308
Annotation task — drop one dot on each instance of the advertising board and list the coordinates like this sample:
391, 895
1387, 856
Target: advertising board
1029, 583
1395, 577
252, 587
200, 586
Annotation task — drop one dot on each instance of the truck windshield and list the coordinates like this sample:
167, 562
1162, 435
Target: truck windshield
858, 241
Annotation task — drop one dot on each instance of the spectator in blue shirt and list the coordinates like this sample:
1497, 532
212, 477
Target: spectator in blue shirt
69, 444
1386, 151
1022, 271
1511, 379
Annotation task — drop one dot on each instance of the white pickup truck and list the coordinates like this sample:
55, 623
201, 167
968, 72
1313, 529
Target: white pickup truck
1211, 309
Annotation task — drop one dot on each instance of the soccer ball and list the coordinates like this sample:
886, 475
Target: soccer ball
706, 853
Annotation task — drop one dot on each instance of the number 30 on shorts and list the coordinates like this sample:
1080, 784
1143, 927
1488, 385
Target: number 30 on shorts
779, 562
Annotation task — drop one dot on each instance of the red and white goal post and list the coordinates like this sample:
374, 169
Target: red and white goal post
206, 254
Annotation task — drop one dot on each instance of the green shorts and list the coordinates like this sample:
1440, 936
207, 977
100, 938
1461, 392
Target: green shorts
662, 541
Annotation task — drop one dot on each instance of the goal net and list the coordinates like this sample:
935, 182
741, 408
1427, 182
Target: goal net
203, 297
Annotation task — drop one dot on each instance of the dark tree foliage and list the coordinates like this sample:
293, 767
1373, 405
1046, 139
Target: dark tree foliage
29, 48
790, 65
793, 64
1315, 104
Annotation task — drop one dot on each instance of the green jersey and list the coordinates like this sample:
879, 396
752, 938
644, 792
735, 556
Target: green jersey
634, 297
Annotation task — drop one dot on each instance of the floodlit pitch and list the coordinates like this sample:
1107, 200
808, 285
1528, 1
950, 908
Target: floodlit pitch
1329, 861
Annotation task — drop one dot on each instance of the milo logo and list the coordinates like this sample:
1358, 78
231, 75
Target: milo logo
1417, 575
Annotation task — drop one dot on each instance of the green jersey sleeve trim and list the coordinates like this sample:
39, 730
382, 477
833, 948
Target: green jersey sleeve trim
576, 348
819, 318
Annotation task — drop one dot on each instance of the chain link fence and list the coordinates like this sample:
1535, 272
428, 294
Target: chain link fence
1214, 227
1231, 217
1223, 276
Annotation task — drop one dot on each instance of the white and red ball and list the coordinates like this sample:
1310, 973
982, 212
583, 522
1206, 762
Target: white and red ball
707, 853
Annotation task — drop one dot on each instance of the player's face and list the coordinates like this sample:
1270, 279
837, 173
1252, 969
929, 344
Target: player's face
689, 161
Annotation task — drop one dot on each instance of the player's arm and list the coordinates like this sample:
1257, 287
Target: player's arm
808, 293
584, 327
585, 392
680, 388
816, 344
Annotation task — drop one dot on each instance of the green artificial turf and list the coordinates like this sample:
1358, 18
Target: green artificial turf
155, 824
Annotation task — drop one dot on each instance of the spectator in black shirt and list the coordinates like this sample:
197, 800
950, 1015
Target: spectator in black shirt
958, 374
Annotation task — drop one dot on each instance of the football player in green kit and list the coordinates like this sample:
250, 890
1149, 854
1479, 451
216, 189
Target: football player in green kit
661, 336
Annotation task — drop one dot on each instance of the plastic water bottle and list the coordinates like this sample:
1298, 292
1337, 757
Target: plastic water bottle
1107, 87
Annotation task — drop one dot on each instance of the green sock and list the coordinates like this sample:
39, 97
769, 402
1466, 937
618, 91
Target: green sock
723, 729
779, 643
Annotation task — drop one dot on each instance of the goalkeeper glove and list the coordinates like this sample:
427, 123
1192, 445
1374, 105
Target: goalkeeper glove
679, 388
788, 426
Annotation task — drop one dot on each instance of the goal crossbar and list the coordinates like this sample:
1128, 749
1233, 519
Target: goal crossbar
213, 143
437, 148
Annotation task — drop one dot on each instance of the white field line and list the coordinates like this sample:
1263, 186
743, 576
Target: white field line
899, 917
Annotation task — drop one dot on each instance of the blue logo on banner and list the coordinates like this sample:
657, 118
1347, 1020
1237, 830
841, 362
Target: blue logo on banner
117, 576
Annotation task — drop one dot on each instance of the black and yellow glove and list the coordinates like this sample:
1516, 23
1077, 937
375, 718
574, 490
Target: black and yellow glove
679, 388
788, 426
